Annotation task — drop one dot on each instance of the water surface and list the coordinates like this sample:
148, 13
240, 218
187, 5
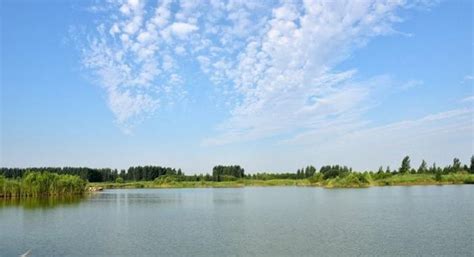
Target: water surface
271, 221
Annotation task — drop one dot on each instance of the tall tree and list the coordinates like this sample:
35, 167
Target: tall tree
405, 167
456, 165
380, 170
423, 168
472, 165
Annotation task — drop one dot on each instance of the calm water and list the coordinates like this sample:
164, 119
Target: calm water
273, 221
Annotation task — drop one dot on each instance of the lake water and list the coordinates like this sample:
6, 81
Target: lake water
271, 221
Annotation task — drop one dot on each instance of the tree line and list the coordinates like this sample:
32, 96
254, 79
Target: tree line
139, 173
235, 172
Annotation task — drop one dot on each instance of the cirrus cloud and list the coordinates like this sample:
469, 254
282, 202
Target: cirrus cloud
273, 62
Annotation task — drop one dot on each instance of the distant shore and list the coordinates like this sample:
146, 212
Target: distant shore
395, 180
39, 184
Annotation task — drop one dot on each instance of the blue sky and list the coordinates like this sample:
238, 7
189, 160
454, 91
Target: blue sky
270, 85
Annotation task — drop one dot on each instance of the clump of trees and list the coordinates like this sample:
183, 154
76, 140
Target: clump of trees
89, 174
148, 173
334, 171
455, 167
42, 184
139, 173
227, 173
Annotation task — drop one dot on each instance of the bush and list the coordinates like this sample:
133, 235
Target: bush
119, 180
167, 179
227, 178
469, 180
316, 178
350, 180
383, 175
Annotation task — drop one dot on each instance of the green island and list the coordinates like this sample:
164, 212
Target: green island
34, 182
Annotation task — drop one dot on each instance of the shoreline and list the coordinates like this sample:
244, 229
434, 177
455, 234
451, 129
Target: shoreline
396, 180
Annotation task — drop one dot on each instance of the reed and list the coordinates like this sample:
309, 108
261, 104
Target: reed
42, 184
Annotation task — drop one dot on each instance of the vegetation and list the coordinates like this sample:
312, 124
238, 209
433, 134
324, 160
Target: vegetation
42, 184
227, 173
98, 175
36, 181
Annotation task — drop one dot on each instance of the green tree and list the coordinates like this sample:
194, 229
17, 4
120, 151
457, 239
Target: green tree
472, 165
405, 167
438, 176
309, 171
423, 168
380, 170
456, 165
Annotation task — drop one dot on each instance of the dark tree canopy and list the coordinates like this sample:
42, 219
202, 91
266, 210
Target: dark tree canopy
423, 168
334, 171
472, 165
405, 167
222, 172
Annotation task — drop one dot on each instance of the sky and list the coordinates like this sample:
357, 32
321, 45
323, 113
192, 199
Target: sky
270, 85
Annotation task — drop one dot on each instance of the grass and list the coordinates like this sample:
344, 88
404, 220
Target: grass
352, 180
204, 184
425, 179
41, 184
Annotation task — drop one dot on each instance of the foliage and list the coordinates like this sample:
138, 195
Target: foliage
147, 173
41, 184
334, 171
92, 175
168, 179
351, 180
405, 167
234, 175
472, 165
423, 168
224, 173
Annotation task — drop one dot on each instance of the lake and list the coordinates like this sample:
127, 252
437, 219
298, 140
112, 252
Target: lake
251, 221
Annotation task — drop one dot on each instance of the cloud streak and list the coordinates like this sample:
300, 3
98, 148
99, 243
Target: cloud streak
286, 76
273, 62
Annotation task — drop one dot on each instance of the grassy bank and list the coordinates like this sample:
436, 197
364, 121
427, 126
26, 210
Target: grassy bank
41, 184
352, 180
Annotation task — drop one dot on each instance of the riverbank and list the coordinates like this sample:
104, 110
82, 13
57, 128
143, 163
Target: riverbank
51, 184
350, 181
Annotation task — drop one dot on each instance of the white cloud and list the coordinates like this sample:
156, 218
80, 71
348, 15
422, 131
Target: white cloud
273, 63
182, 30
132, 63
467, 78
285, 75
411, 84
420, 138
468, 99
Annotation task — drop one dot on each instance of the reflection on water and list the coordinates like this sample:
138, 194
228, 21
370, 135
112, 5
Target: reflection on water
276, 221
43, 202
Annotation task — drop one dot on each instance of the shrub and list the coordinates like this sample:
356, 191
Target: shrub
167, 179
316, 178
